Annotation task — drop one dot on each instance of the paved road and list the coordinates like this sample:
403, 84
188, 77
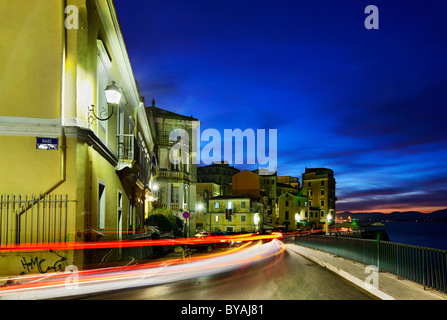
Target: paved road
287, 277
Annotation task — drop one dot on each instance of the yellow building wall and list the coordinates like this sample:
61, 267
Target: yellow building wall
211, 224
31, 33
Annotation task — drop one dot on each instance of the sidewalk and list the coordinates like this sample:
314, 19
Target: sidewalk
389, 287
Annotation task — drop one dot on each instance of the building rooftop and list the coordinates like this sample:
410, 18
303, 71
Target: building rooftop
162, 113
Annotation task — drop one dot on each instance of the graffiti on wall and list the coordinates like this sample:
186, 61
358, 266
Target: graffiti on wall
32, 264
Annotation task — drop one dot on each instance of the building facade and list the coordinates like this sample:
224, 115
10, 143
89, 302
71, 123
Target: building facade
72, 123
319, 186
235, 213
205, 191
176, 154
219, 173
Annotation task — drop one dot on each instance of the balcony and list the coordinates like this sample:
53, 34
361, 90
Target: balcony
126, 147
163, 140
176, 175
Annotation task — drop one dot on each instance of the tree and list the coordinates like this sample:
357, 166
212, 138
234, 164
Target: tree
159, 220
165, 220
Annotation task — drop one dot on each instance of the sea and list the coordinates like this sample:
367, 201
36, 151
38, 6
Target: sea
419, 233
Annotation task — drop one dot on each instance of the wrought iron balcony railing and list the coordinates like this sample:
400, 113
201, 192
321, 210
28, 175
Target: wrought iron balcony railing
126, 146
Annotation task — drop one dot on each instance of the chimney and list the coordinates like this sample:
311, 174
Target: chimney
153, 103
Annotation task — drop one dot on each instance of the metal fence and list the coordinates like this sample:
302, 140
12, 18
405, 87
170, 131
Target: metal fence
34, 219
426, 266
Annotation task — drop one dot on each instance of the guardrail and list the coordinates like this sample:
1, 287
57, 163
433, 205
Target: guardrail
426, 266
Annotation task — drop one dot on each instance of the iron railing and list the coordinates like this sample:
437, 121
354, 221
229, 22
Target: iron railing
426, 266
33, 219
126, 146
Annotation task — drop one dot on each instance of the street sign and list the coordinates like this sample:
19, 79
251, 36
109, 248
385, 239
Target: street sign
47, 143
186, 214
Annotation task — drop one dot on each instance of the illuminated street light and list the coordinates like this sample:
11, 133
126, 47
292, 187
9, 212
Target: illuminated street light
113, 96
113, 93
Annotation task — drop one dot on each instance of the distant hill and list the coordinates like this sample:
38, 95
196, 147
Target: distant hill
439, 215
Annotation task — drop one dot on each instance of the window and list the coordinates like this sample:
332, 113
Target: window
101, 206
230, 229
216, 205
216, 218
322, 183
322, 213
243, 204
230, 218
322, 203
175, 195
287, 203
322, 192
310, 193
120, 215
309, 184
243, 219
242, 229
130, 215
287, 215
229, 205
310, 203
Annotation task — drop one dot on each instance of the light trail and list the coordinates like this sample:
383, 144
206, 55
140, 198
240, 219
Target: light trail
137, 243
103, 280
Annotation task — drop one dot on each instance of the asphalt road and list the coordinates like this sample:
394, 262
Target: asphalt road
286, 277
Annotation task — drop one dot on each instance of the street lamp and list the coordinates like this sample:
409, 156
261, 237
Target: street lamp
113, 96
113, 93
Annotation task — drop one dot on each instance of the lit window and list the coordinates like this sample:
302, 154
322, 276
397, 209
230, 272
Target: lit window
229, 205
216, 205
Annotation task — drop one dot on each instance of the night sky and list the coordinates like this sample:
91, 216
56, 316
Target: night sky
369, 104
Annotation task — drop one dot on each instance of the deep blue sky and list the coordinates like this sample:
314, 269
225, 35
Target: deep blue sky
369, 104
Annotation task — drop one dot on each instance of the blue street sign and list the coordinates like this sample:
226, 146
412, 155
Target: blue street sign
47, 143
186, 214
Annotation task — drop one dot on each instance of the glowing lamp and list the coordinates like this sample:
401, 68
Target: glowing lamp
113, 93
